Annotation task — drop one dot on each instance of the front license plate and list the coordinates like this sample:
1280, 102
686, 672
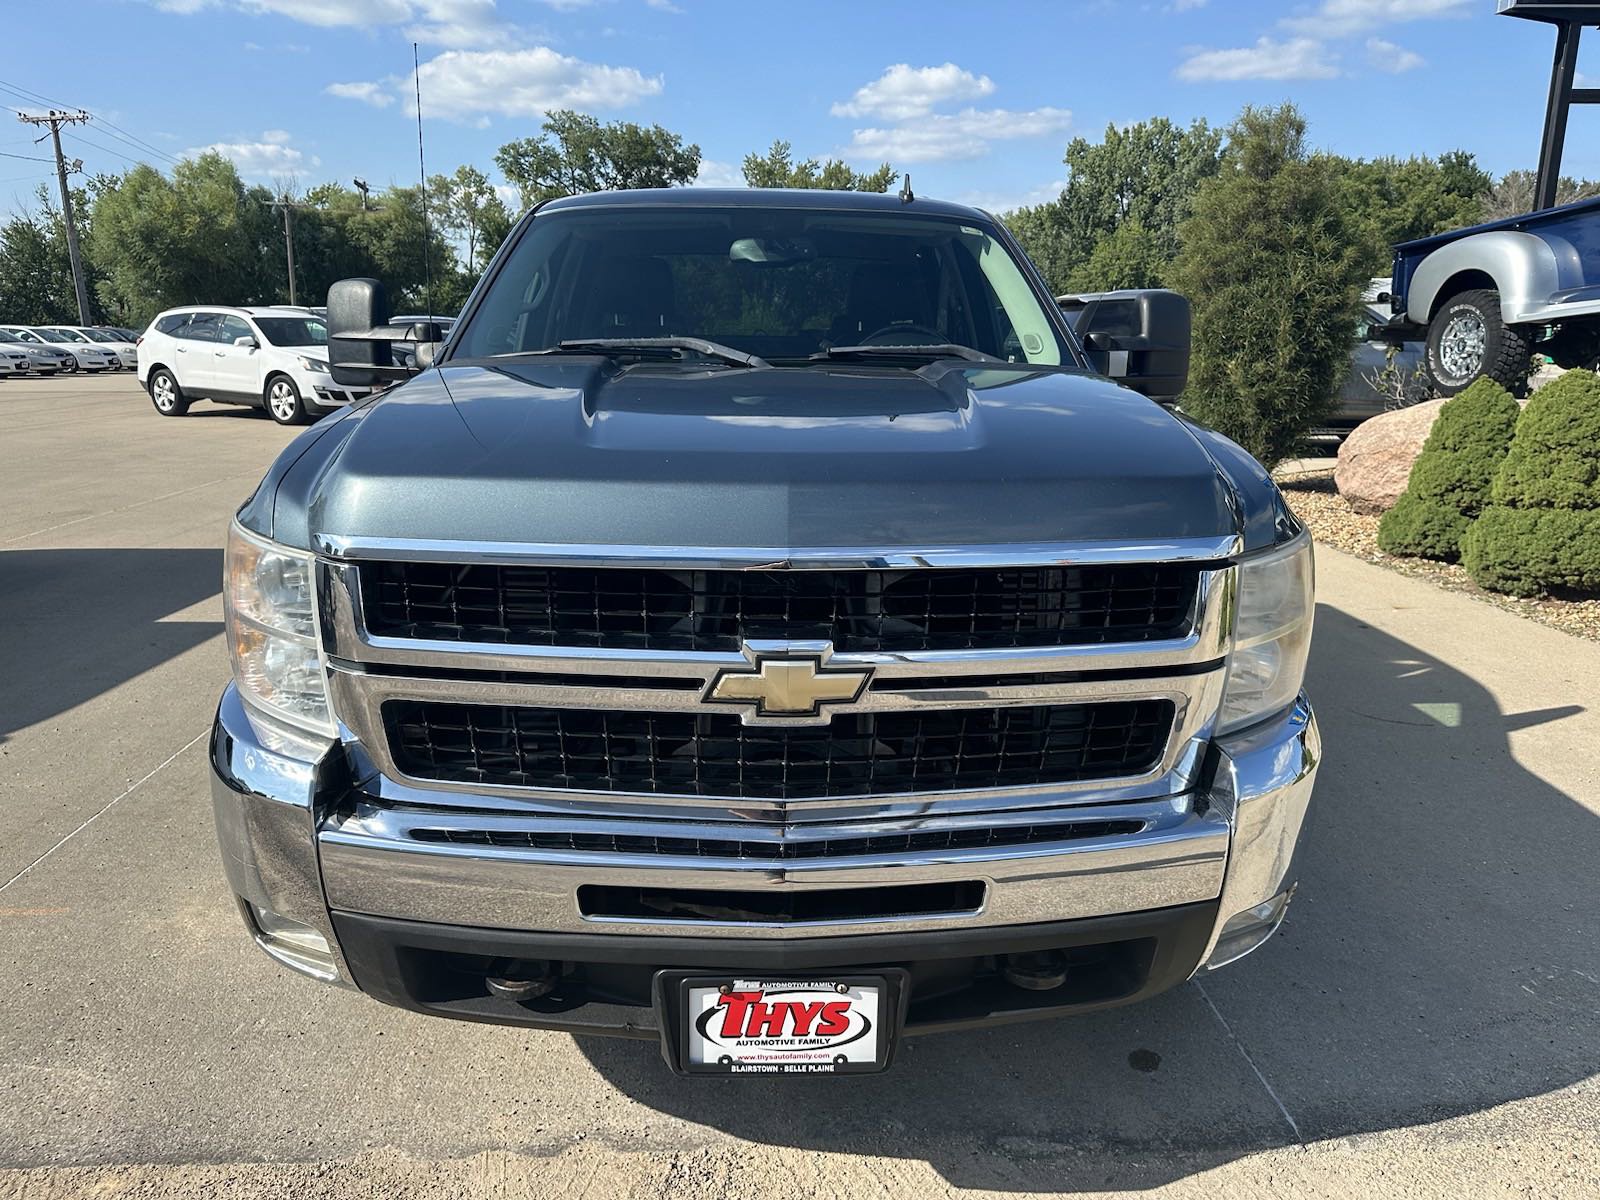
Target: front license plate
763, 1025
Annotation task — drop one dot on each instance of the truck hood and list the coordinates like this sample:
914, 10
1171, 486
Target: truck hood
570, 450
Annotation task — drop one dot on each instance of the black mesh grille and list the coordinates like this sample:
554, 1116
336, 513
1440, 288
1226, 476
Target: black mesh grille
975, 838
654, 609
715, 755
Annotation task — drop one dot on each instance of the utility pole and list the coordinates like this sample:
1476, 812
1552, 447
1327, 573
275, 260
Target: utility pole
287, 207
361, 186
55, 120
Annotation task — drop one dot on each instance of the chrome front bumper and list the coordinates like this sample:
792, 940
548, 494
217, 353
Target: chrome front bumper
299, 841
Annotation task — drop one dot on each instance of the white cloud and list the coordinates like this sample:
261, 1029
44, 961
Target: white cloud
1340, 18
719, 175
1186, 5
1297, 58
941, 137
456, 24
666, 6
270, 157
905, 91
330, 13
526, 83
1001, 202
367, 93
1386, 56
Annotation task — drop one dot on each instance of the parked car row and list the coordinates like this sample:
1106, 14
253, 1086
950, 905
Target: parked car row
63, 349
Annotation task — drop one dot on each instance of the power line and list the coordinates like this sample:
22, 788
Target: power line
106, 149
26, 157
111, 127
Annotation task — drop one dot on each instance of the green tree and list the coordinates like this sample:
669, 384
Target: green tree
1451, 479
1271, 262
201, 236
336, 237
1512, 194
777, 169
466, 206
1148, 173
1394, 200
1132, 257
35, 272
577, 154
1542, 530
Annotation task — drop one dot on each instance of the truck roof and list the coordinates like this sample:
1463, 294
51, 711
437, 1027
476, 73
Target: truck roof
812, 198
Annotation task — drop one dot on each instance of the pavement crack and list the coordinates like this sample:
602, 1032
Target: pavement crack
1245, 1054
108, 805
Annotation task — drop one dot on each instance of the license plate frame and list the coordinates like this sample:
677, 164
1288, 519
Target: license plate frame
678, 1005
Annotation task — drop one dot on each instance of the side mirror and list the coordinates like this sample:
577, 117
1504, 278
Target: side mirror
1139, 337
360, 336
246, 341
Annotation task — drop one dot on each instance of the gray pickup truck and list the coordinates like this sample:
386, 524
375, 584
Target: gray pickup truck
759, 628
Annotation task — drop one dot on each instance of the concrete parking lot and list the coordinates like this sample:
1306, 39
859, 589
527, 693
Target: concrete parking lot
1428, 1022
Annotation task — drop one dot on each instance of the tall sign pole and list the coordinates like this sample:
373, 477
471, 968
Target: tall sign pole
55, 120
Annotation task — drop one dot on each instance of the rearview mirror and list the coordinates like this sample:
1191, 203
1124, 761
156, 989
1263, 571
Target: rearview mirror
1137, 337
360, 336
246, 341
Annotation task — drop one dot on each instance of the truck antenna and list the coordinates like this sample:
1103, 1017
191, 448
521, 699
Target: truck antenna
906, 196
422, 178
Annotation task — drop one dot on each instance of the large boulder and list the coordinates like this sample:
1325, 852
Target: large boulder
1375, 461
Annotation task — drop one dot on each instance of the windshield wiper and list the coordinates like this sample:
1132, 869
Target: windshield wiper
663, 347
930, 352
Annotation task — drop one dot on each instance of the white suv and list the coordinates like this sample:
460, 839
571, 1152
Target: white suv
272, 358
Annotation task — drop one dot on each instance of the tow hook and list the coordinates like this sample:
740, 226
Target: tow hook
521, 978
1038, 971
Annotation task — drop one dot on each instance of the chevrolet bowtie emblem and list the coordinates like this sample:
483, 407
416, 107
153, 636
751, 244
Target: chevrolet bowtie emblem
786, 685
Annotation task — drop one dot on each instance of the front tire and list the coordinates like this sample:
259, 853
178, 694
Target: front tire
284, 404
1469, 340
166, 395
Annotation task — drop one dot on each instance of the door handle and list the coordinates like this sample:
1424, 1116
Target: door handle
183, 350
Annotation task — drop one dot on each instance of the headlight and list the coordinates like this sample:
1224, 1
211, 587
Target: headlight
312, 364
1271, 634
270, 610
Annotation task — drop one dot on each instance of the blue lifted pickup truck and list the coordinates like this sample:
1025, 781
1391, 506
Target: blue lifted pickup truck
1487, 298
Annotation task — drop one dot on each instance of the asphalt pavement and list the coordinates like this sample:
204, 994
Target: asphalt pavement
1427, 1023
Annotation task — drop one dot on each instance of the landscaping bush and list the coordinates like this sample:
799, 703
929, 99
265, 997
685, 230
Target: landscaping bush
1542, 530
1274, 264
1451, 480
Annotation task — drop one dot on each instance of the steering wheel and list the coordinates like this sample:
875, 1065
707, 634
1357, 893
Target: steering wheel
895, 335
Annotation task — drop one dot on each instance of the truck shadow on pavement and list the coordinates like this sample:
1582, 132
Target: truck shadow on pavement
1440, 959
77, 623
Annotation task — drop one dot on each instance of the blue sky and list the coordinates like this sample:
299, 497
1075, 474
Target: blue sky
976, 100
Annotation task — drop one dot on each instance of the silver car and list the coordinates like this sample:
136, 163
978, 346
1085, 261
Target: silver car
43, 359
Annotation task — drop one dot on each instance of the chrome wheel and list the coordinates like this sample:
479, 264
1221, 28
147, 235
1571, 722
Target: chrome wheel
1463, 344
164, 392
283, 401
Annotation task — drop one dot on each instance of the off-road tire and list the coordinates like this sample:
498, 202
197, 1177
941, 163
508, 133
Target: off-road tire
165, 393
1475, 316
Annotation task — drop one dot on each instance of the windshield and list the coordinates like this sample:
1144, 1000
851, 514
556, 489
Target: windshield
293, 331
94, 335
55, 335
782, 284
8, 337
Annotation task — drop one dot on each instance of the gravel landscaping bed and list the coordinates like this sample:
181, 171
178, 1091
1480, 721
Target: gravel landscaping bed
1333, 523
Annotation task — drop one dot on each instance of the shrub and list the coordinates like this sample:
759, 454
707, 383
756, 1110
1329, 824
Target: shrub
1451, 480
1555, 458
1528, 551
1542, 530
1274, 263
